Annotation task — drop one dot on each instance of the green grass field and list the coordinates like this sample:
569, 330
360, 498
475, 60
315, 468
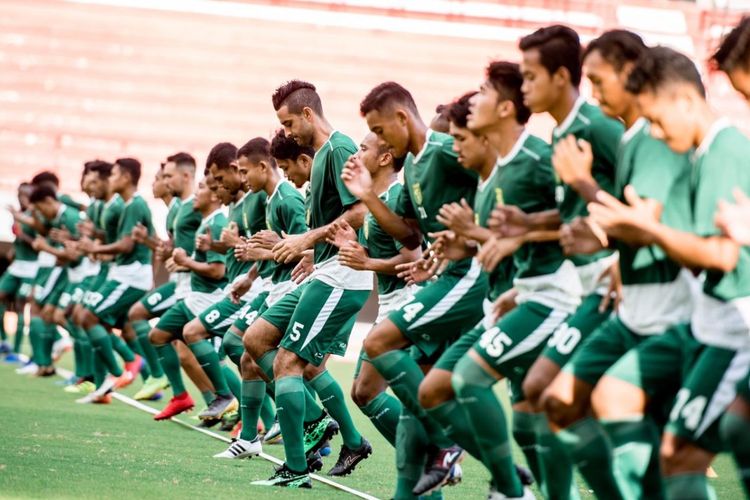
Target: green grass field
53, 448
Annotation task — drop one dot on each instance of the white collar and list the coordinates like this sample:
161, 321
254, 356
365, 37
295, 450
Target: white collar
568, 121
428, 134
636, 127
716, 127
517, 146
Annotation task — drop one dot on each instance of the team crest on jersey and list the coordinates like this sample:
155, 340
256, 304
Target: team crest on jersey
417, 193
366, 226
499, 199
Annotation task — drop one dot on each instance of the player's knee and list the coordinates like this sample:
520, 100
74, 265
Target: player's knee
364, 392
435, 389
193, 332
58, 317
613, 399
560, 413
158, 337
312, 371
88, 320
383, 338
533, 386
138, 313
679, 456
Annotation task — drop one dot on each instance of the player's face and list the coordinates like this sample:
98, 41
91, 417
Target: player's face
174, 178
368, 152
203, 196
539, 88
159, 187
298, 127
118, 181
95, 186
228, 178
472, 149
671, 118
391, 127
47, 207
740, 79
608, 84
296, 171
23, 198
483, 110
255, 174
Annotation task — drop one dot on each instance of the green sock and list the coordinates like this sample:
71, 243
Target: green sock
100, 369
313, 410
208, 397
398, 366
333, 400
101, 341
591, 451
267, 411
151, 358
81, 350
290, 401
524, 433
690, 486
233, 381
36, 325
635, 445
456, 425
265, 363
411, 452
18, 339
556, 464
3, 333
87, 353
170, 363
234, 347
46, 341
384, 411
473, 386
135, 346
209, 361
121, 347
736, 433
251, 401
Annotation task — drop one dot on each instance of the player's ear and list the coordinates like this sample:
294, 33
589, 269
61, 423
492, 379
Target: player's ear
401, 116
305, 161
307, 113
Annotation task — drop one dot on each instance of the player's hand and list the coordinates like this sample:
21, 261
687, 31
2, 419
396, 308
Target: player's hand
447, 245
180, 257
613, 296
164, 250
85, 228
509, 221
353, 255
230, 235
635, 222
86, 244
340, 233
240, 288
572, 160
505, 303
582, 237
420, 270
60, 235
39, 243
356, 177
290, 248
458, 217
139, 233
494, 250
265, 239
203, 241
734, 220
304, 268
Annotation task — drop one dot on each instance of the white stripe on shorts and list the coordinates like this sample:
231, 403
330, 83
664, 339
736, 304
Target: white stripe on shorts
541, 334
451, 298
166, 304
726, 390
116, 294
325, 312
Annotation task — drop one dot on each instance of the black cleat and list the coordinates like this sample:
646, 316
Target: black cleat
208, 423
286, 478
314, 462
348, 458
317, 432
229, 420
525, 475
438, 470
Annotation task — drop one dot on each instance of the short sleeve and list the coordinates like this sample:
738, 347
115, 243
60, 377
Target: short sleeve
292, 214
216, 226
338, 158
404, 206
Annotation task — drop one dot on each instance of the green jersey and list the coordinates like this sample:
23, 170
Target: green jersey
67, 219
214, 223
22, 250
254, 220
381, 245
285, 211
67, 200
94, 210
586, 121
523, 178
172, 209
135, 211
433, 178
329, 197
109, 218
185, 225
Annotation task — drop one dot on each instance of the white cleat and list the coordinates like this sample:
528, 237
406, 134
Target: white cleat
241, 448
60, 347
274, 433
28, 369
496, 495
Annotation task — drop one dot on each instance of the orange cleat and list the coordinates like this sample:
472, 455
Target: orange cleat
130, 373
176, 405
103, 400
236, 431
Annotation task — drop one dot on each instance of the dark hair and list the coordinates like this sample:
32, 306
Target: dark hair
734, 50
183, 160
661, 66
41, 192
222, 155
458, 110
130, 166
257, 150
559, 47
507, 80
617, 47
102, 168
286, 148
297, 95
385, 95
45, 177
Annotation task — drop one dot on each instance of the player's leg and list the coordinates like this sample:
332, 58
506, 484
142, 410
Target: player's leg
23, 298
735, 430
153, 304
194, 371
369, 394
9, 286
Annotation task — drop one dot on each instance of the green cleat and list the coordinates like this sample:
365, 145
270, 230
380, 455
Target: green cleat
151, 387
284, 477
318, 432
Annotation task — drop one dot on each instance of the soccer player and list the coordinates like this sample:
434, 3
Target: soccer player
284, 214
207, 279
708, 358
178, 177
16, 282
441, 311
655, 293
128, 280
313, 321
733, 57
